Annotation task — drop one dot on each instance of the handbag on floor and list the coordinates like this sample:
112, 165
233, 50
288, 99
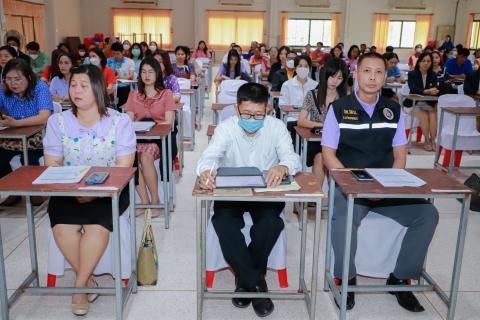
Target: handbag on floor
473, 182
147, 262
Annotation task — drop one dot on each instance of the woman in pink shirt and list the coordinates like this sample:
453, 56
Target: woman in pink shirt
202, 51
151, 101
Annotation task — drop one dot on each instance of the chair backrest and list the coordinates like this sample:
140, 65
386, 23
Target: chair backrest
227, 112
460, 89
403, 66
231, 84
173, 57
57, 107
247, 67
258, 72
204, 60
467, 125
184, 83
200, 63
228, 90
405, 89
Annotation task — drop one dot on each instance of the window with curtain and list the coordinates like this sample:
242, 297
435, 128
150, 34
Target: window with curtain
304, 31
401, 34
475, 35
241, 27
147, 25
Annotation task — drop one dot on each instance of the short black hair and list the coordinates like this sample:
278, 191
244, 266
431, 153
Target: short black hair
33, 46
303, 57
389, 49
373, 47
428, 48
320, 43
459, 46
464, 52
253, 92
340, 43
61, 44
363, 44
117, 47
12, 38
390, 56
371, 55
10, 50
81, 46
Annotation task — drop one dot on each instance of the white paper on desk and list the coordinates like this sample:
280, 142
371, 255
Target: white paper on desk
239, 181
126, 81
3, 128
395, 178
143, 126
65, 174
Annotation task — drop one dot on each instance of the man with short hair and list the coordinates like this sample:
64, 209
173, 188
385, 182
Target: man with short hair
389, 49
251, 139
253, 45
459, 67
38, 60
373, 49
15, 43
373, 136
363, 46
317, 58
124, 69
286, 73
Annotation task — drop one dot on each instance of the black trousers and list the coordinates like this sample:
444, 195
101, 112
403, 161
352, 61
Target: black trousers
250, 262
314, 70
7, 155
293, 132
122, 95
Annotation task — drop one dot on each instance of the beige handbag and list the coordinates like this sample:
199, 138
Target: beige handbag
147, 262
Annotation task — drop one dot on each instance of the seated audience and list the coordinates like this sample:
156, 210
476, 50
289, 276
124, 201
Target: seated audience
269, 61
63, 46
428, 49
97, 58
363, 47
136, 53
393, 75
256, 58
81, 226
262, 135
447, 44
81, 53
153, 102
107, 50
126, 49
193, 61
38, 60
318, 58
412, 61
280, 63
373, 49
202, 51
124, 68
15, 43
422, 80
286, 73
336, 52
389, 49
59, 85
52, 70
476, 61
182, 68
471, 84
225, 57
308, 50
263, 51
373, 146
145, 50
452, 54
457, 68
440, 70
232, 70
169, 80
253, 45
153, 47
351, 61
7, 53
90, 47
332, 86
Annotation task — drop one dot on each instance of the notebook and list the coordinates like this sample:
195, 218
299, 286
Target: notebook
240, 177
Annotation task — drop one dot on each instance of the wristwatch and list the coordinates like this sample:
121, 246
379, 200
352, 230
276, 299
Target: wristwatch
287, 172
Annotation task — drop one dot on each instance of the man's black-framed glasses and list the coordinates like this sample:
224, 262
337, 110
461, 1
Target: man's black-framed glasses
248, 116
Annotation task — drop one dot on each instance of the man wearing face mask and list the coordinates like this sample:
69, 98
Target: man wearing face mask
293, 91
250, 139
15, 43
458, 67
413, 59
38, 60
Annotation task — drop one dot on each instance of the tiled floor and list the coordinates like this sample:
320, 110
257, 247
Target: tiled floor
174, 297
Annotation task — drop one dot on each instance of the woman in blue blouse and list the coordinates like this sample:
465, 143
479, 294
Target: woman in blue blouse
232, 70
59, 85
393, 75
24, 101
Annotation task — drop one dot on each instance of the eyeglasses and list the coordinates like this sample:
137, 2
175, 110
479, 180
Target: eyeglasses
13, 81
247, 116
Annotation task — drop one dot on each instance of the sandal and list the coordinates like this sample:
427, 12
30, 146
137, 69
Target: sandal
434, 147
427, 146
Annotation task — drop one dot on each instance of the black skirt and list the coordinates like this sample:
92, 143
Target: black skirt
67, 210
314, 148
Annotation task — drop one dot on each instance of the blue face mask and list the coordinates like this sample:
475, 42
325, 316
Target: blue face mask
250, 125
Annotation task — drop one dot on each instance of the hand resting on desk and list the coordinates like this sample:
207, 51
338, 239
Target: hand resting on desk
206, 176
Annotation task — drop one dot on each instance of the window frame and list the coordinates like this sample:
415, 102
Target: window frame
477, 42
309, 32
401, 33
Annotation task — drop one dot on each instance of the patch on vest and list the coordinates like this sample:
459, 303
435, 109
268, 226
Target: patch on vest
350, 115
388, 113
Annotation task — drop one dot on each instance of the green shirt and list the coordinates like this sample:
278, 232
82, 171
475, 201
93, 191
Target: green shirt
40, 63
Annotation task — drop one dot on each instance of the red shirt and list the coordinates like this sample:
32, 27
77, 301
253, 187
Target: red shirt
109, 75
153, 107
46, 72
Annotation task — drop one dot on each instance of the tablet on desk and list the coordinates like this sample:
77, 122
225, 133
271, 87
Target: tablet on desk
241, 177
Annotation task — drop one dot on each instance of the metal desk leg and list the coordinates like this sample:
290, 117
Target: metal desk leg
411, 129
316, 249
193, 110
199, 106
457, 265
297, 144
133, 233
3, 284
117, 257
215, 116
439, 139
328, 250
304, 155
454, 142
32, 242
170, 171
303, 222
181, 153
166, 206
200, 263
346, 257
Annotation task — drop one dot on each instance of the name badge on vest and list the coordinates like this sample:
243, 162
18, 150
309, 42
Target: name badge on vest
349, 115
388, 113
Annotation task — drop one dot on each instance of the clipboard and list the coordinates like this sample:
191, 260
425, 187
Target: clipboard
239, 177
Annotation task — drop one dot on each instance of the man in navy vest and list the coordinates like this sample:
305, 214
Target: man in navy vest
365, 130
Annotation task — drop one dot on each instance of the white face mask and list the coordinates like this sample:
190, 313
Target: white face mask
418, 50
34, 56
95, 61
81, 53
302, 73
153, 48
290, 64
126, 47
16, 48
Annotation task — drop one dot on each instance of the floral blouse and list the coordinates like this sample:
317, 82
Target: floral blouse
310, 106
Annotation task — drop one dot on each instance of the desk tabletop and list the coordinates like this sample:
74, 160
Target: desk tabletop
289, 108
21, 180
417, 97
394, 85
306, 181
435, 179
221, 106
474, 96
463, 110
179, 105
275, 93
210, 130
159, 131
305, 133
187, 91
19, 132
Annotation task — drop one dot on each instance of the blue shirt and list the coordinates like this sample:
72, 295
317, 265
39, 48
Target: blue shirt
394, 72
22, 109
59, 86
123, 67
455, 70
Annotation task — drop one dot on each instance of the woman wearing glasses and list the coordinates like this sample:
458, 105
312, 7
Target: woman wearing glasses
25, 101
152, 102
169, 79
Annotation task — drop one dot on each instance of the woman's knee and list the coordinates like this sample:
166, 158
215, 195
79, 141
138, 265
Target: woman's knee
146, 158
318, 160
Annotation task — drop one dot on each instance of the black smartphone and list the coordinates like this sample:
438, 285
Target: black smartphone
316, 130
97, 178
361, 175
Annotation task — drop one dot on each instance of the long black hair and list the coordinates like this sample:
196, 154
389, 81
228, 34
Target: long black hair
349, 54
233, 53
280, 50
204, 49
152, 62
333, 49
72, 59
330, 69
26, 70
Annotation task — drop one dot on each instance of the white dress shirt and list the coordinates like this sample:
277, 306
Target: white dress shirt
293, 93
231, 147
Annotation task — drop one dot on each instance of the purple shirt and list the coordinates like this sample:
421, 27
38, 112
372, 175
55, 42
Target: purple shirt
125, 139
331, 129
171, 82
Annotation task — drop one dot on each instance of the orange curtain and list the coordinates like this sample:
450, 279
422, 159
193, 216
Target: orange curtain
469, 31
147, 24
28, 30
336, 17
380, 31
422, 29
241, 27
284, 16
39, 35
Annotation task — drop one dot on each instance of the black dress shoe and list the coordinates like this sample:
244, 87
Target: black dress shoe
350, 295
240, 302
262, 306
405, 298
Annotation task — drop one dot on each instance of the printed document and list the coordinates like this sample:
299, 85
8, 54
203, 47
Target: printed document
143, 126
395, 178
65, 174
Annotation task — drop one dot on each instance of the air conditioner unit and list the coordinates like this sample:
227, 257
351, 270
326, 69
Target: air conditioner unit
140, 3
316, 4
236, 3
407, 5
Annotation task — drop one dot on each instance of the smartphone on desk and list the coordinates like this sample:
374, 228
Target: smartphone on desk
361, 175
97, 178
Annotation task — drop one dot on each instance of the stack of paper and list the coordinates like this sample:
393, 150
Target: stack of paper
294, 186
66, 174
3, 128
395, 178
143, 126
